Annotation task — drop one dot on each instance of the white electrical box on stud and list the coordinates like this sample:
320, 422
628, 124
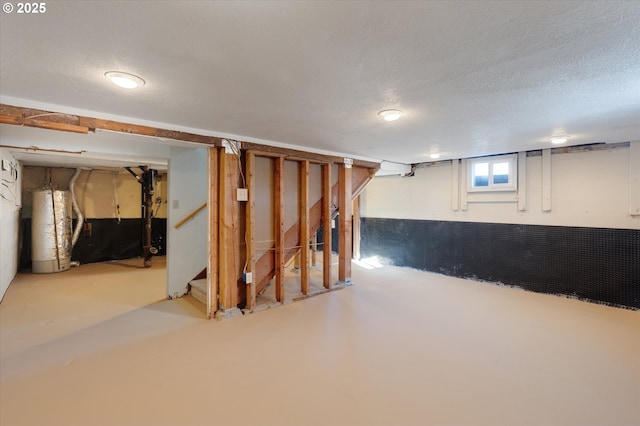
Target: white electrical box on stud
243, 194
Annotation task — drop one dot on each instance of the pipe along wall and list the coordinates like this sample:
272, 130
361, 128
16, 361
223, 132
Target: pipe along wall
110, 202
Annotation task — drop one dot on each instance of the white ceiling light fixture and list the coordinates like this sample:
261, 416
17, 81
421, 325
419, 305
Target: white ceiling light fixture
390, 114
434, 155
559, 140
124, 79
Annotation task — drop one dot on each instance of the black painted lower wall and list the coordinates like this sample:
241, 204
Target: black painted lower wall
596, 264
107, 240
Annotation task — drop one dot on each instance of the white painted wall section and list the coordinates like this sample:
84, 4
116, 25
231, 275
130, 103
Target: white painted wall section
187, 245
589, 189
10, 204
634, 178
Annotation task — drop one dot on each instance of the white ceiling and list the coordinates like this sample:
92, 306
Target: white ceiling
472, 77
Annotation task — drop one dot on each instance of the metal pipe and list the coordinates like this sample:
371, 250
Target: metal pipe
148, 176
76, 209
133, 173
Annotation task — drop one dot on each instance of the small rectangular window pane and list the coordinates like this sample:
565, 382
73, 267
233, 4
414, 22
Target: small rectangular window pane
500, 173
481, 174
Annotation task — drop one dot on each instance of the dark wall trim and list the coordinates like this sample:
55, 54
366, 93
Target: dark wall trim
106, 240
595, 264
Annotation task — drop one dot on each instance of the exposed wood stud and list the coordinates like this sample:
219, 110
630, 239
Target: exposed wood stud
279, 228
228, 230
345, 228
212, 239
327, 196
304, 226
250, 229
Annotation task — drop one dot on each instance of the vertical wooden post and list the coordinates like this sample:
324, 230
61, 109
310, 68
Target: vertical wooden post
279, 227
212, 239
326, 225
228, 231
250, 230
304, 226
356, 228
345, 211
314, 249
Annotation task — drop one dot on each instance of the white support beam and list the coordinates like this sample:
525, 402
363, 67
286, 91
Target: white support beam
546, 180
634, 178
455, 185
522, 181
464, 204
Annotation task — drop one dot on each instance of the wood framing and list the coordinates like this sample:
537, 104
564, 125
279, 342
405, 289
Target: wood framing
30, 117
279, 227
212, 240
250, 230
303, 198
326, 225
345, 228
228, 231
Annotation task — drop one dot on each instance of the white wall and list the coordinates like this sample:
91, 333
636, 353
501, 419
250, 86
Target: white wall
187, 245
588, 189
10, 203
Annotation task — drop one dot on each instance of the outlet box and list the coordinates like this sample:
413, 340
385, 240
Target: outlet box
248, 277
243, 194
333, 224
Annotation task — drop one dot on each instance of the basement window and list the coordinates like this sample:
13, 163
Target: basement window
495, 173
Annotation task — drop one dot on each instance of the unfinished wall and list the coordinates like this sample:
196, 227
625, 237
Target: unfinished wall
587, 245
110, 201
10, 203
187, 245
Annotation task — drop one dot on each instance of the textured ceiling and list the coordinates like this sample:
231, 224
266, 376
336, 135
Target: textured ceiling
472, 77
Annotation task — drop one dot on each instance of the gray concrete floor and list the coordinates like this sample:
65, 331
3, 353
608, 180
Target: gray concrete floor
98, 345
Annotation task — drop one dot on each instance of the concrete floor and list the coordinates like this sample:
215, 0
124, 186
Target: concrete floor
98, 345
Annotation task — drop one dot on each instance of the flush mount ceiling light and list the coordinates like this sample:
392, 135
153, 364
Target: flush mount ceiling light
125, 80
559, 140
434, 155
390, 114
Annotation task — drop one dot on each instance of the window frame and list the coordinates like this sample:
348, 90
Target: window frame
511, 186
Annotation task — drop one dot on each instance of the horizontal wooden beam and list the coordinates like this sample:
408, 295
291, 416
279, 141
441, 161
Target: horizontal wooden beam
10, 114
43, 124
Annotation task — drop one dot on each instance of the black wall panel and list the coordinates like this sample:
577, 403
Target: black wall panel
107, 240
597, 264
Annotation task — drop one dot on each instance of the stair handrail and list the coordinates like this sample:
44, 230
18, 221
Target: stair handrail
190, 216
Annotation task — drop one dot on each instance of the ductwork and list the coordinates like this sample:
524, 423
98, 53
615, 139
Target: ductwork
76, 209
